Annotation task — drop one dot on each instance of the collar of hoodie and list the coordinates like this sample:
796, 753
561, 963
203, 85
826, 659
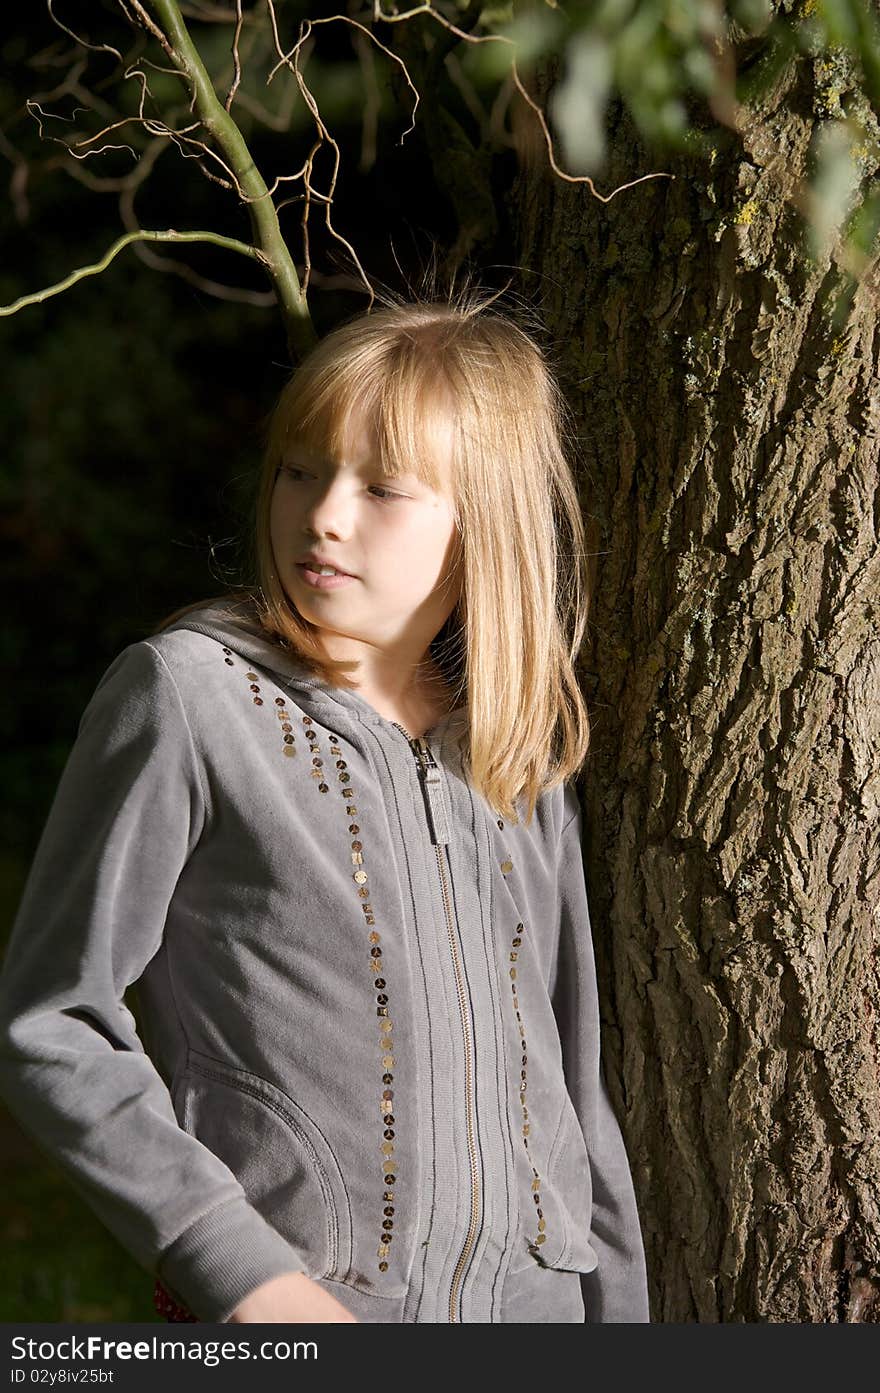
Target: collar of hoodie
234, 624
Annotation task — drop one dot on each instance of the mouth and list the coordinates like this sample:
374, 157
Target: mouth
316, 578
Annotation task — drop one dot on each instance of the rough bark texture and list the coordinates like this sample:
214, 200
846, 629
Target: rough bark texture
729, 456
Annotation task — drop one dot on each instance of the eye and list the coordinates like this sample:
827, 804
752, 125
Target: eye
388, 495
298, 475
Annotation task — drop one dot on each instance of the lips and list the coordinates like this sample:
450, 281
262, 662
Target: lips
314, 563
315, 581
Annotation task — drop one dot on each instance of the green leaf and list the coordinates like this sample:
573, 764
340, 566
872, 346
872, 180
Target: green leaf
577, 104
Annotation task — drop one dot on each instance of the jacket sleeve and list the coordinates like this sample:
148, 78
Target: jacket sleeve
127, 814
616, 1291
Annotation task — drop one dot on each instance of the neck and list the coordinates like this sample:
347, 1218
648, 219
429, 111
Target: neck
412, 692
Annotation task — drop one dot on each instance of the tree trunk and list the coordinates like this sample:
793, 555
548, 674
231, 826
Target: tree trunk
728, 448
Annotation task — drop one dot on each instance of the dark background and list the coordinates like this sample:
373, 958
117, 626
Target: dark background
133, 407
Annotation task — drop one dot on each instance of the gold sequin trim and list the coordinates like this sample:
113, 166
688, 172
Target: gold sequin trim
255, 687
515, 944
360, 880
317, 769
288, 740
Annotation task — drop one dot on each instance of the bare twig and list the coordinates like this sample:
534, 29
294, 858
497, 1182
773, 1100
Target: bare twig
213, 138
427, 9
132, 180
169, 265
83, 43
263, 299
309, 24
152, 28
291, 60
38, 296
221, 127
379, 13
40, 116
560, 173
230, 96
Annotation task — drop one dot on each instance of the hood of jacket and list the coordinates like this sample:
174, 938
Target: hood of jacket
234, 623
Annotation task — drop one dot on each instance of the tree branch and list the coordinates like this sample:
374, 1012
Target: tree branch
141, 235
264, 218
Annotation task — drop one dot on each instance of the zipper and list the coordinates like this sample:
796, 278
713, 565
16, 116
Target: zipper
435, 805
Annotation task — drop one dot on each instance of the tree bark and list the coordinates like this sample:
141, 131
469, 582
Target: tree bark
728, 448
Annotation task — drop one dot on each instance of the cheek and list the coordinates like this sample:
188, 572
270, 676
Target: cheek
430, 548
442, 533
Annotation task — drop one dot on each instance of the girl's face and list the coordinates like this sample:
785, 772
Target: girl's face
395, 537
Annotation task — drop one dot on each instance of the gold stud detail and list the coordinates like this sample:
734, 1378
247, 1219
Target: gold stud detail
288, 739
360, 878
540, 1237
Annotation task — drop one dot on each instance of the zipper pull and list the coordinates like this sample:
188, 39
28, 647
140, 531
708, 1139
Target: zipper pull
432, 788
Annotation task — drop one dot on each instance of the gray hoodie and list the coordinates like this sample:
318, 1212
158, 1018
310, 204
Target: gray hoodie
369, 1029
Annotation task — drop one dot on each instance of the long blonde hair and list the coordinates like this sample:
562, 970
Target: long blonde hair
508, 649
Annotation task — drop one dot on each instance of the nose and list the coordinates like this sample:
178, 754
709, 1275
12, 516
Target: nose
328, 511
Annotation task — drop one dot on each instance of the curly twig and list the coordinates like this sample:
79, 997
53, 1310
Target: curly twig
222, 128
83, 43
291, 60
345, 19
38, 296
236, 60
222, 144
427, 9
169, 265
137, 176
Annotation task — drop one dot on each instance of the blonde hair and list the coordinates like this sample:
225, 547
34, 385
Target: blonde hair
508, 649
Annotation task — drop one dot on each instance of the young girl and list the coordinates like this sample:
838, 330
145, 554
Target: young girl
327, 825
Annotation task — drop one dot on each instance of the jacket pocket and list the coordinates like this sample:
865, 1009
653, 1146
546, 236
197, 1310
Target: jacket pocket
278, 1154
566, 1203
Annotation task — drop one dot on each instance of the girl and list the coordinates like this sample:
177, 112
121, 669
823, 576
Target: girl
327, 824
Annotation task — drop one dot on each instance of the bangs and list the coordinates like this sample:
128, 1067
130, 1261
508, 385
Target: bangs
401, 396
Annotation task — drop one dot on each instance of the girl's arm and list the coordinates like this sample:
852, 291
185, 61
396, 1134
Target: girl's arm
617, 1290
127, 814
